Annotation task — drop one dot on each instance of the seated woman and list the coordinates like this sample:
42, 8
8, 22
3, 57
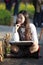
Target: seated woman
27, 31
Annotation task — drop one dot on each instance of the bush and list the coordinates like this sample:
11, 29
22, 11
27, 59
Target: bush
2, 6
5, 17
31, 10
28, 7
21, 6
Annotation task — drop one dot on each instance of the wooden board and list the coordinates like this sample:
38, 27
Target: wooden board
21, 42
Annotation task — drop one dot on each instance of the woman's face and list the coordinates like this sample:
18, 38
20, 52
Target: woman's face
20, 19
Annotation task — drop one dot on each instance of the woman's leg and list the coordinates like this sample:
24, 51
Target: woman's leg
36, 54
15, 48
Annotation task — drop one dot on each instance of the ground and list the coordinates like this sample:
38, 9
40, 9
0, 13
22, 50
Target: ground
24, 61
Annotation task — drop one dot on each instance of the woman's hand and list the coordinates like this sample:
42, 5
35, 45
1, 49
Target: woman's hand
17, 26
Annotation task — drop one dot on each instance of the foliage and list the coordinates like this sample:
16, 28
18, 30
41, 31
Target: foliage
5, 17
2, 6
21, 6
28, 7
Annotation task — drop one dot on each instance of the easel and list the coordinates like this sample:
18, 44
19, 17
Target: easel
20, 48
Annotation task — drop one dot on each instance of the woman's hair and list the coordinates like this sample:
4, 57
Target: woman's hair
26, 24
26, 15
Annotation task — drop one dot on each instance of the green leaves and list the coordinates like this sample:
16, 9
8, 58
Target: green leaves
5, 17
2, 6
28, 7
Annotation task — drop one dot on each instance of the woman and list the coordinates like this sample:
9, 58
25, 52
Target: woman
27, 31
37, 15
16, 7
8, 4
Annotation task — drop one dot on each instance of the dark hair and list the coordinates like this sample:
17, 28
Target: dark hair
26, 15
26, 23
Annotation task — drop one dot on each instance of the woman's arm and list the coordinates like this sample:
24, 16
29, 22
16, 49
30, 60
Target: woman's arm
35, 46
34, 33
